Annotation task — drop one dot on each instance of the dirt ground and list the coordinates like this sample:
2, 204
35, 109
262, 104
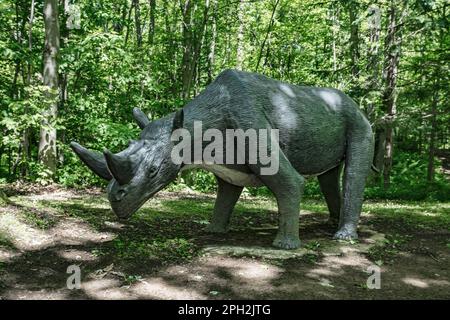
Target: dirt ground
163, 252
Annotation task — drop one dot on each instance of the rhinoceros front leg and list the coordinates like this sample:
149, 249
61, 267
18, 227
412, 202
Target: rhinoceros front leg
287, 186
227, 196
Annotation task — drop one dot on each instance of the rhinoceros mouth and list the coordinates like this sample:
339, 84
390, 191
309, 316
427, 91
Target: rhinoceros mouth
125, 212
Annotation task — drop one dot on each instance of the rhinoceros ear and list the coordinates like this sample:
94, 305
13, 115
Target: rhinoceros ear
94, 160
140, 117
120, 167
178, 119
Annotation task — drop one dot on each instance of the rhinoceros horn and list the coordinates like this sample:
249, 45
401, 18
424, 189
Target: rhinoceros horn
140, 117
120, 167
94, 160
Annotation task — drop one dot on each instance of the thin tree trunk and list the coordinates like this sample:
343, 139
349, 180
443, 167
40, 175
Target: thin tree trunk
373, 57
269, 29
30, 38
172, 72
26, 131
373, 70
15, 77
118, 26
192, 45
137, 22
431, 150
151, 29
240, 36
199, 42
434, 105
227, 55
392, 46
19, 32
354, 41
17, 161
334, 29
212, 46
380, 146
127, 34
63, 80
47, 142
186, 66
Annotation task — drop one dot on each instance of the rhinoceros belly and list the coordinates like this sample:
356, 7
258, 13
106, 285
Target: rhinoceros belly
230, 175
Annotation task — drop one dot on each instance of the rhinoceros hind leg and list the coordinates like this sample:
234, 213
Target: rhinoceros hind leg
358, 160
330, 187
227, 196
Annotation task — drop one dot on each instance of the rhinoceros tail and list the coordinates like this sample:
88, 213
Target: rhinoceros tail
375, 169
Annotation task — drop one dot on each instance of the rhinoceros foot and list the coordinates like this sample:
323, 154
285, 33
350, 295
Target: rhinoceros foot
286, 242
345, 234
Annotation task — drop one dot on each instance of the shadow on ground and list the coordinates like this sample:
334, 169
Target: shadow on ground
163, 252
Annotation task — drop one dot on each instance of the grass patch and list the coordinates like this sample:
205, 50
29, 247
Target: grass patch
6, 242
386, 251
162, 251
38, 219
411, 214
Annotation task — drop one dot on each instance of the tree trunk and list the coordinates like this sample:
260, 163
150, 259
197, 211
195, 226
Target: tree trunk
151, 29
354, 42
392, 47
187, 70
432, 150
127, 34
380, 146
47, 142
373, 63
269, 29
137, 22
170, 49
192, 45
374, 25
212, 46
334, 30
30, 38
240, 36
63, 77
26, 132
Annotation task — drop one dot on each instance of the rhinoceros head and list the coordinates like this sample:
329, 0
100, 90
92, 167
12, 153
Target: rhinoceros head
142, 169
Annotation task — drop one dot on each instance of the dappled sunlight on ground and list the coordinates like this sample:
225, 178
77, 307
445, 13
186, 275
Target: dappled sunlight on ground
54, 196
66, 232
162, 252
158, 288
107, 289
425, 283
76, 255
8, 254
21, 235
17, 294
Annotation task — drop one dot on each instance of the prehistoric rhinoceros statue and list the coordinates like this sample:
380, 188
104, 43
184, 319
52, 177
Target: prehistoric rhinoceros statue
320, 130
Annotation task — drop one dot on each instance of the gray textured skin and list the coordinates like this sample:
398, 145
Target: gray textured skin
321, 130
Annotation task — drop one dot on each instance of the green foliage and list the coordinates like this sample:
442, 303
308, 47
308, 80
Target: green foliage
167, 250
409, 181
200, 180
385, 252
104, 72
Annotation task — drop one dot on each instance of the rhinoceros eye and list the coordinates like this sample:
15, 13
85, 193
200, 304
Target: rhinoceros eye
153, 171
120, 194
